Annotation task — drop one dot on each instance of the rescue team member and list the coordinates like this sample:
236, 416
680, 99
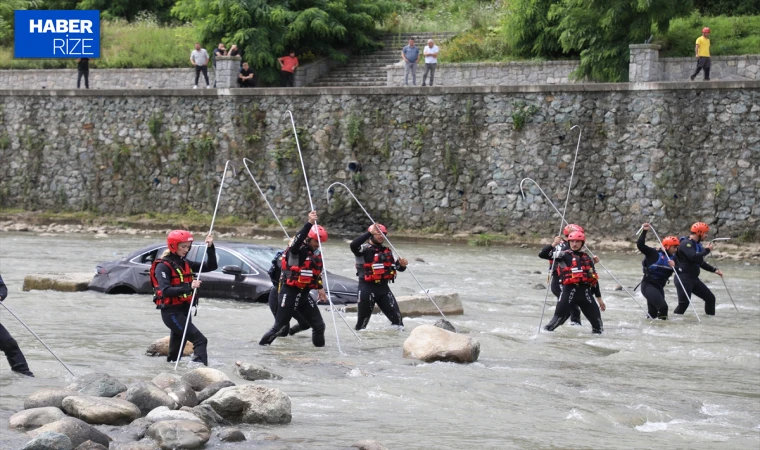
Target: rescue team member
658, 266
375, 267
173, 285
8, 345
579, 283
560, 244
301, 272
690, 258
275, 271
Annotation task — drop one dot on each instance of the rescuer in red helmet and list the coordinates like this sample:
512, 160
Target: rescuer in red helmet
658, 266
172, 278
579, 283
690, 259
301, 272
375, 267
560, 244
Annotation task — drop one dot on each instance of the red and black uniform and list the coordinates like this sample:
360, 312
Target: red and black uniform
301, 272
274, 274
546, 253
375, 267
690, 258
656, 275
9, 346
579, 287
172, 277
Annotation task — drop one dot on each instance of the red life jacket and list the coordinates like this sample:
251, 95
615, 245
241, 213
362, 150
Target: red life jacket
581, 270
380, 267
303, 275
180, 275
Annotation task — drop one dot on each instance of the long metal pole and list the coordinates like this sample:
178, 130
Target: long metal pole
675, 272
245, 163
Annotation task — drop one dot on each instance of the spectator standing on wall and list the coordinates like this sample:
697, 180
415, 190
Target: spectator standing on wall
411, 54
246, 77
218, 51
431, 60
288, 65
199, 59
83, 70
702, 51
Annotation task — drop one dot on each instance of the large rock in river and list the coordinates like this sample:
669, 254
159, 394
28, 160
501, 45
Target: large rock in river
160, 347
212, 389
30, 419
429, 343
147, 396
163, 413
48, 397
63, 282
49, 441
171, 434
77, 431
101, 410
252, 404
420, 305
97, 384
200, 378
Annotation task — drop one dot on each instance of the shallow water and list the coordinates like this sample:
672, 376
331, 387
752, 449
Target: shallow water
665, 385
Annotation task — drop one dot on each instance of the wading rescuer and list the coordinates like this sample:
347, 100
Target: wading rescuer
301, 272
580, 285
658, 266
173, 285
690, 258
560, 245
375, 267
275, 273
9, 346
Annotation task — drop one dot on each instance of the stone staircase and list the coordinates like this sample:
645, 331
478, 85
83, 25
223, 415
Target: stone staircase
369, 69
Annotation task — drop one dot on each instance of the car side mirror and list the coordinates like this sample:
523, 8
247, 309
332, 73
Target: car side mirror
233, 270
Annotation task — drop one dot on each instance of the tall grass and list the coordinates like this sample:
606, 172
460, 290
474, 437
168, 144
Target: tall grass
728, 35
443, 15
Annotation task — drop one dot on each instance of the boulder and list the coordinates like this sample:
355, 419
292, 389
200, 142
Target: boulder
420, 305
29, 419
429, 343
101, 410
445, 324
48, 397
89, 445
77, 431
253, 372
212, 389
97, 385
147, 396
161, 348
368, 445
172, 434
63, 282
200, 378
136, 430
252, 404
164, 413
49, 440
166, 380
265, 437
183, 394
231, 435
146, 444
207, 414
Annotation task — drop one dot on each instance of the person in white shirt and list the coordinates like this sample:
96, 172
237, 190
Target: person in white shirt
199, 59
431, 60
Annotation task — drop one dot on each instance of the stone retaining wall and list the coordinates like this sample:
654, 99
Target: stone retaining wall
485, 74
436, 159
646, 66
103, 79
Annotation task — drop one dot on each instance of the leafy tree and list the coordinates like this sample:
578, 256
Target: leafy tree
266, 29
728, 7
6, 15
127, 9
530, 30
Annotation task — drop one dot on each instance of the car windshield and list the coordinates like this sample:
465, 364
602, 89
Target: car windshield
262, 256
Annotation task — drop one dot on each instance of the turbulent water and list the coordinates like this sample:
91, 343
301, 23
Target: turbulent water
665, 385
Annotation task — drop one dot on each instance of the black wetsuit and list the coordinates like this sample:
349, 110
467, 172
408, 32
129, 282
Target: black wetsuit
654, 281
292, 298
175, 316
371, 292
546, 253
583, 295
8, 345
690, 258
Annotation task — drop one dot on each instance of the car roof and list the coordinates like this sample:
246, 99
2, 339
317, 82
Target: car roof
222, 244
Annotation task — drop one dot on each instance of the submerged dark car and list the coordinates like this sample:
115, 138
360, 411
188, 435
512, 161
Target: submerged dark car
241, 275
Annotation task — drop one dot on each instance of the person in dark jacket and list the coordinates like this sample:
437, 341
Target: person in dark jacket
275, 273
9, 346
560, 244
690, 258
173, 284
375, 267
658, 266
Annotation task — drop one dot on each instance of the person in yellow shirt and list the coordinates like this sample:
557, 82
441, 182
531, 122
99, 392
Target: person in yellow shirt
702, 51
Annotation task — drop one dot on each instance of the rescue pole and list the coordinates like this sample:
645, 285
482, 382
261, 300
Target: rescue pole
200, 269
723, 279
393, 248
245, 163
675, 272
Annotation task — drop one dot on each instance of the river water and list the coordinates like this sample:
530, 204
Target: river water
665, 385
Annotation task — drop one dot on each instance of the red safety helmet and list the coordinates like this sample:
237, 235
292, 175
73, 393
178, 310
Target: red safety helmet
577, 236
705, 30
380, 227
670, 241
569, 228
700, 228
177, 236
318, 229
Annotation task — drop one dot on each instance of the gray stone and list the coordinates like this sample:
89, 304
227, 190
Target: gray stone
429, 343
212, 389
251, 404
77, 431
49, 440
164, 413
160, 347
35, 417
147, 396
368, 445
137, 428
200, 378
48, 397
208, 415
97, 384
420, 305
89, 445
172, 434
146, 444
231, 435
445, 325
183, 394
166, 380
101, 410
253, 372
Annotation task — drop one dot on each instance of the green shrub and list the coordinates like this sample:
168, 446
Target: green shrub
728, 35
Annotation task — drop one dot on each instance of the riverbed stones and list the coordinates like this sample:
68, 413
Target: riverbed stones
183, 394
200, 378
101, 410
254, 372
49, 440
77, 431
231, 435
212, 389
89, 445
48, 397
97, 384
164, 413
420, 305
252, 404
29, 419
147, 396
160, 347
165, 380
208, 415
146, 444
445, 325
429, 343
173, 434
